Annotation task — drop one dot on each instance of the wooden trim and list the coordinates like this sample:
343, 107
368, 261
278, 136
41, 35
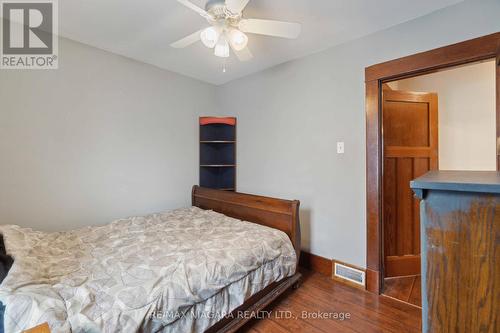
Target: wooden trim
316, 263
344, 281
275, 213
402, 265
218, 120
373, 187
325, 266
481, 48
398, 301
373, 283
448, 56
434, 135
407, 96
396, 151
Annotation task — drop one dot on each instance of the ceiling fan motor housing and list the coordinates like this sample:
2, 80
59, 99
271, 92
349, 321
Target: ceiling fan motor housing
216, 7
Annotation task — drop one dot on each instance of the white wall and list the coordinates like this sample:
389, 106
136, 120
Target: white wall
467, 114
102, 137
290, 117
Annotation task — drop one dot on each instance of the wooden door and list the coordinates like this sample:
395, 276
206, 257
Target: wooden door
410, 140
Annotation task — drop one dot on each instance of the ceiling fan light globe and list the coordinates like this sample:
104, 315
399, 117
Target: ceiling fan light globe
209, 37
238, 39
222, 48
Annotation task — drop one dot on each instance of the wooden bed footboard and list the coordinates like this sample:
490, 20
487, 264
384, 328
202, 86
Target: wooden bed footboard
272, 212
275, 213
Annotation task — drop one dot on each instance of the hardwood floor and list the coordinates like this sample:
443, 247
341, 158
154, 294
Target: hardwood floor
320, 295
406, 288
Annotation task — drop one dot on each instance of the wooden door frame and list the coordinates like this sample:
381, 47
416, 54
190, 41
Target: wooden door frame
482, 48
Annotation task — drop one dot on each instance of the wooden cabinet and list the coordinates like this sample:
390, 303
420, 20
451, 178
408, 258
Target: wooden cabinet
218, 153
460, 229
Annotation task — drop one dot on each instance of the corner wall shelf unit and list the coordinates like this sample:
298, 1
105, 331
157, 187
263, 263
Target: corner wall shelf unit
218, 153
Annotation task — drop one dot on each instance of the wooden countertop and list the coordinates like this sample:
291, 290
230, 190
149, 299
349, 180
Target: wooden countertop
464, 181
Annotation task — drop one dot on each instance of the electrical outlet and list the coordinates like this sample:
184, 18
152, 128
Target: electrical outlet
340, 147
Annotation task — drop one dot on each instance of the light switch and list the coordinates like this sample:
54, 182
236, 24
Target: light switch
340, 147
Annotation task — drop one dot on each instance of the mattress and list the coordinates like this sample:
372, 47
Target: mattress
177, 271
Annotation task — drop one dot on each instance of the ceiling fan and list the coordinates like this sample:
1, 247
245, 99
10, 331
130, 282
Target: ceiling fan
228, 27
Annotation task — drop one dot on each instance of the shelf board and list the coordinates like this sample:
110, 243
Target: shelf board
218, 141
218, 165
221, 188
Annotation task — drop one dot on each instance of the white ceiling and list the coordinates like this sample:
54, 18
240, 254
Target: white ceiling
143, 30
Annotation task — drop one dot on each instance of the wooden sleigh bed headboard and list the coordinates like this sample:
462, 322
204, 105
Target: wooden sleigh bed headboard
275, 213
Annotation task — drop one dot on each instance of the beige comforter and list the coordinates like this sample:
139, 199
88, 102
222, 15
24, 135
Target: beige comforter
157, 273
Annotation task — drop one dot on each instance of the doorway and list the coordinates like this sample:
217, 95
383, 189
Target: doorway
376, 77
410, 141
439, 121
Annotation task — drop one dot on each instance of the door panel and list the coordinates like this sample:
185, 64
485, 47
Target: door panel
390, 211
410, 150
404, 216
409, 128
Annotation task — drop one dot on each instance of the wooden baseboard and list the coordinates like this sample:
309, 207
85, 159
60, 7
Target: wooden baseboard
402, 265
316, 263
372, 281
325, 266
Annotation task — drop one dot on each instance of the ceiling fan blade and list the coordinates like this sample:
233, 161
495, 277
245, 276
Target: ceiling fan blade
236, 6
243, 55
188, 40
270, 28
197, 9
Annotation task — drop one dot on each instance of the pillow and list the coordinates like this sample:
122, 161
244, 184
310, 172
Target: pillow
6, 260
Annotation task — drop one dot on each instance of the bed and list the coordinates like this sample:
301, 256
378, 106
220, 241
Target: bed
203, 268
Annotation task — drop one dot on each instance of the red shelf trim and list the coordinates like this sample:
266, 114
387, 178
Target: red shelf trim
218, 120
